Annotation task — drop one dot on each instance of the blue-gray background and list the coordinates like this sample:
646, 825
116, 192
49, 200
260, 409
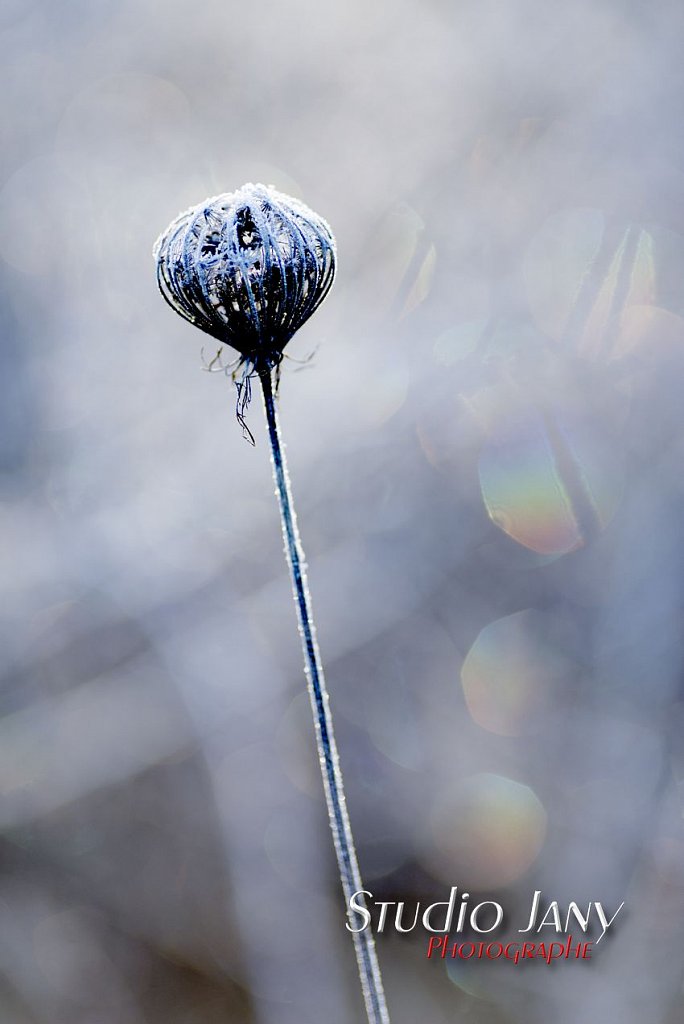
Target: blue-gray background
486, 452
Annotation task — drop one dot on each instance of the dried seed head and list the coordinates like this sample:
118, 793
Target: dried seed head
248, 267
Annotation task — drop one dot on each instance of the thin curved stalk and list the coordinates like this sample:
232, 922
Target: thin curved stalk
369, 969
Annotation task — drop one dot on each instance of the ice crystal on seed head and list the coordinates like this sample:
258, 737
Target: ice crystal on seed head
248, 267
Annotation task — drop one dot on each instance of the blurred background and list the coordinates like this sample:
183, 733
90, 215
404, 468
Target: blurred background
486, 452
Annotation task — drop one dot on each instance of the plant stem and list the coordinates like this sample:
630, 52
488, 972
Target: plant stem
369, 969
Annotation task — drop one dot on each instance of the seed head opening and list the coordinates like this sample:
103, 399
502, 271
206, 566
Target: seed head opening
249, 268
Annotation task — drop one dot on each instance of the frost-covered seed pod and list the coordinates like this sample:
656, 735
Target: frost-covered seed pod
248, 267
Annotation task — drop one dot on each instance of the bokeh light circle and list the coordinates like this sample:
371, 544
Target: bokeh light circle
512, 675
550, 482
486, 832
581, 270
